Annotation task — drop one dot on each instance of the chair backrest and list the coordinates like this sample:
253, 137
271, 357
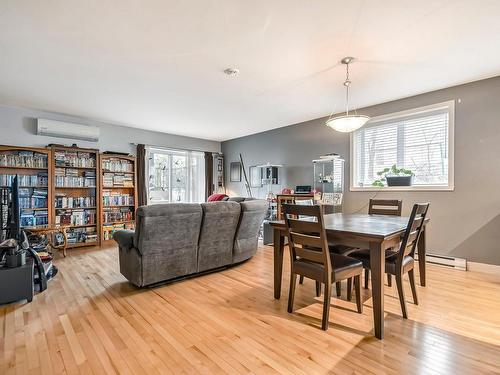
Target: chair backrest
306, 235
385, 207
413, 231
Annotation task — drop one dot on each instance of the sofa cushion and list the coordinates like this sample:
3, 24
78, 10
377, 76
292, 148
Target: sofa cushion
167, 239
218, 228
247, 235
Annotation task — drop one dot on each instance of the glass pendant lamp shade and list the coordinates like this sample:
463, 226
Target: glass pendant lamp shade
347, 123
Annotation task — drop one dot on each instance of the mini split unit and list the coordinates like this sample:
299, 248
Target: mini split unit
70, 130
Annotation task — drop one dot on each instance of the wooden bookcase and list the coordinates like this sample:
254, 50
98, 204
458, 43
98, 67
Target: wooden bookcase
75, 185
118, 194
33, 166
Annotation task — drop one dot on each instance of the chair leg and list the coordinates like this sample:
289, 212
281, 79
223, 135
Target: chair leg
326, 306
357, 286
291, 295
367, 276
399, 284
349, 289
389, 279
411, 275
301, 280
338, 286
318, 289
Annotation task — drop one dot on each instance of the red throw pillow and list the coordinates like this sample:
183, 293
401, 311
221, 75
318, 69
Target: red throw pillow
216, 197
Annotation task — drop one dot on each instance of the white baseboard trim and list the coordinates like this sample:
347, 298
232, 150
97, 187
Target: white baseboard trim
483, 267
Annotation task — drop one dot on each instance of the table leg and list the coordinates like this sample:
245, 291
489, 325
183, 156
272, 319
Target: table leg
377, 264
421, 248
279, 247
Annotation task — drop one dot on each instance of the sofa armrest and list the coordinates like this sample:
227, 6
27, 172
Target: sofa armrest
124, 238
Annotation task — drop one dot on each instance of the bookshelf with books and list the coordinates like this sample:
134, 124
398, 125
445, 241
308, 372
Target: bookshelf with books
32, 166
75, 194
118, 195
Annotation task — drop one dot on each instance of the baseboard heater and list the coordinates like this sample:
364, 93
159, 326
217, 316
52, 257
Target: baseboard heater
443, 260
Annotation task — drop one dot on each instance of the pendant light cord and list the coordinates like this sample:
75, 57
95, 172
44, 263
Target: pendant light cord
347, 83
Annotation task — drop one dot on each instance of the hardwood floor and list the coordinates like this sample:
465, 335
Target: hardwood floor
91, 321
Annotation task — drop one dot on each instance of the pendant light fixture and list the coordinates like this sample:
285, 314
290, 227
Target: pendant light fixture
348, 122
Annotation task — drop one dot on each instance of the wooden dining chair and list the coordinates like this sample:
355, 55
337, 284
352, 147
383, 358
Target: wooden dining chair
391, 207
311, 257
401, 261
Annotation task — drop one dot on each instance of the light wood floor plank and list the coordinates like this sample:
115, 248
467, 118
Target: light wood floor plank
91, 321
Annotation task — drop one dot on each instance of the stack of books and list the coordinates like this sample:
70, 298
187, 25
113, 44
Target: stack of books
110, 198
80, 235
32, 198
34, 218
117, 165
38, 180
27, 159
108, 230
67, 177
74, 159
62, 201
76, 217
117, 214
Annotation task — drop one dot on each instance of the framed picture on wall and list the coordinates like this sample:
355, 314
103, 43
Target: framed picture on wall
235, 171
255, 176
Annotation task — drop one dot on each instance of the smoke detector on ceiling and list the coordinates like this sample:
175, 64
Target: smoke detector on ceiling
231, 72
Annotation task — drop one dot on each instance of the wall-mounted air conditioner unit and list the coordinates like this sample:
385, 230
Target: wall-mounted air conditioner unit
62, 129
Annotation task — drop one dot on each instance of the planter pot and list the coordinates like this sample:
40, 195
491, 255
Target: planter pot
399, 180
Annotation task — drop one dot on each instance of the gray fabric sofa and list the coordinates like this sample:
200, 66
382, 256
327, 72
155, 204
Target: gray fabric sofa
181, 239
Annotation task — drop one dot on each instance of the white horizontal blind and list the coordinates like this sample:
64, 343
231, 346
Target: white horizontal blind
418, 141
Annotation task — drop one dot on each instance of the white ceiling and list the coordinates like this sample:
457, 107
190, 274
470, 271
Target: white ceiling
157, 64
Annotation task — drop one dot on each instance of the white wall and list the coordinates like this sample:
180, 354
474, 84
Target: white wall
18, 128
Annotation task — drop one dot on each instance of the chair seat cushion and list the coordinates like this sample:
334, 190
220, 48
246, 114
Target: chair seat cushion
363, 254
341, 249
390, 265
344, 267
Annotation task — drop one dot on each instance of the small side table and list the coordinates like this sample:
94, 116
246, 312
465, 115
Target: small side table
16, 283
49, 230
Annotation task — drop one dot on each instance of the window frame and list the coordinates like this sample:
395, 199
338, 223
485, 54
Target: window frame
170, 151
450, 106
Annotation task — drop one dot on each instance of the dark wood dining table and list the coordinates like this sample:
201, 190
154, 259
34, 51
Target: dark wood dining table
377, 232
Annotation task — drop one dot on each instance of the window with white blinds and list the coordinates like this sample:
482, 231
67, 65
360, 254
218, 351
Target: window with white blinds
420, 140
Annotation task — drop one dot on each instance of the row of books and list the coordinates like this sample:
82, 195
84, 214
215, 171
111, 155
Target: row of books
32, 198
80, 235
117, 165
117, 180
34, 218
68, 178
117, 214
28, 159
38, 180
110, 198
108, 230
74, 159
62, 201
76, 217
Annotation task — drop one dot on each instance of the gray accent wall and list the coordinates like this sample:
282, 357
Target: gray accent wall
18, 127
465, 222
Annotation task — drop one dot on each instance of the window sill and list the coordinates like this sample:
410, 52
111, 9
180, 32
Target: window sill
403, 188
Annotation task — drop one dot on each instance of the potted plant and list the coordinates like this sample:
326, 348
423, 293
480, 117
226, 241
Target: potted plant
394, 176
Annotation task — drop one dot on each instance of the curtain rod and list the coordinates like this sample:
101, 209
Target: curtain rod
175, 148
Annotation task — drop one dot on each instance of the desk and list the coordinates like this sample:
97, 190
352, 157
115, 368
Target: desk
380, 232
